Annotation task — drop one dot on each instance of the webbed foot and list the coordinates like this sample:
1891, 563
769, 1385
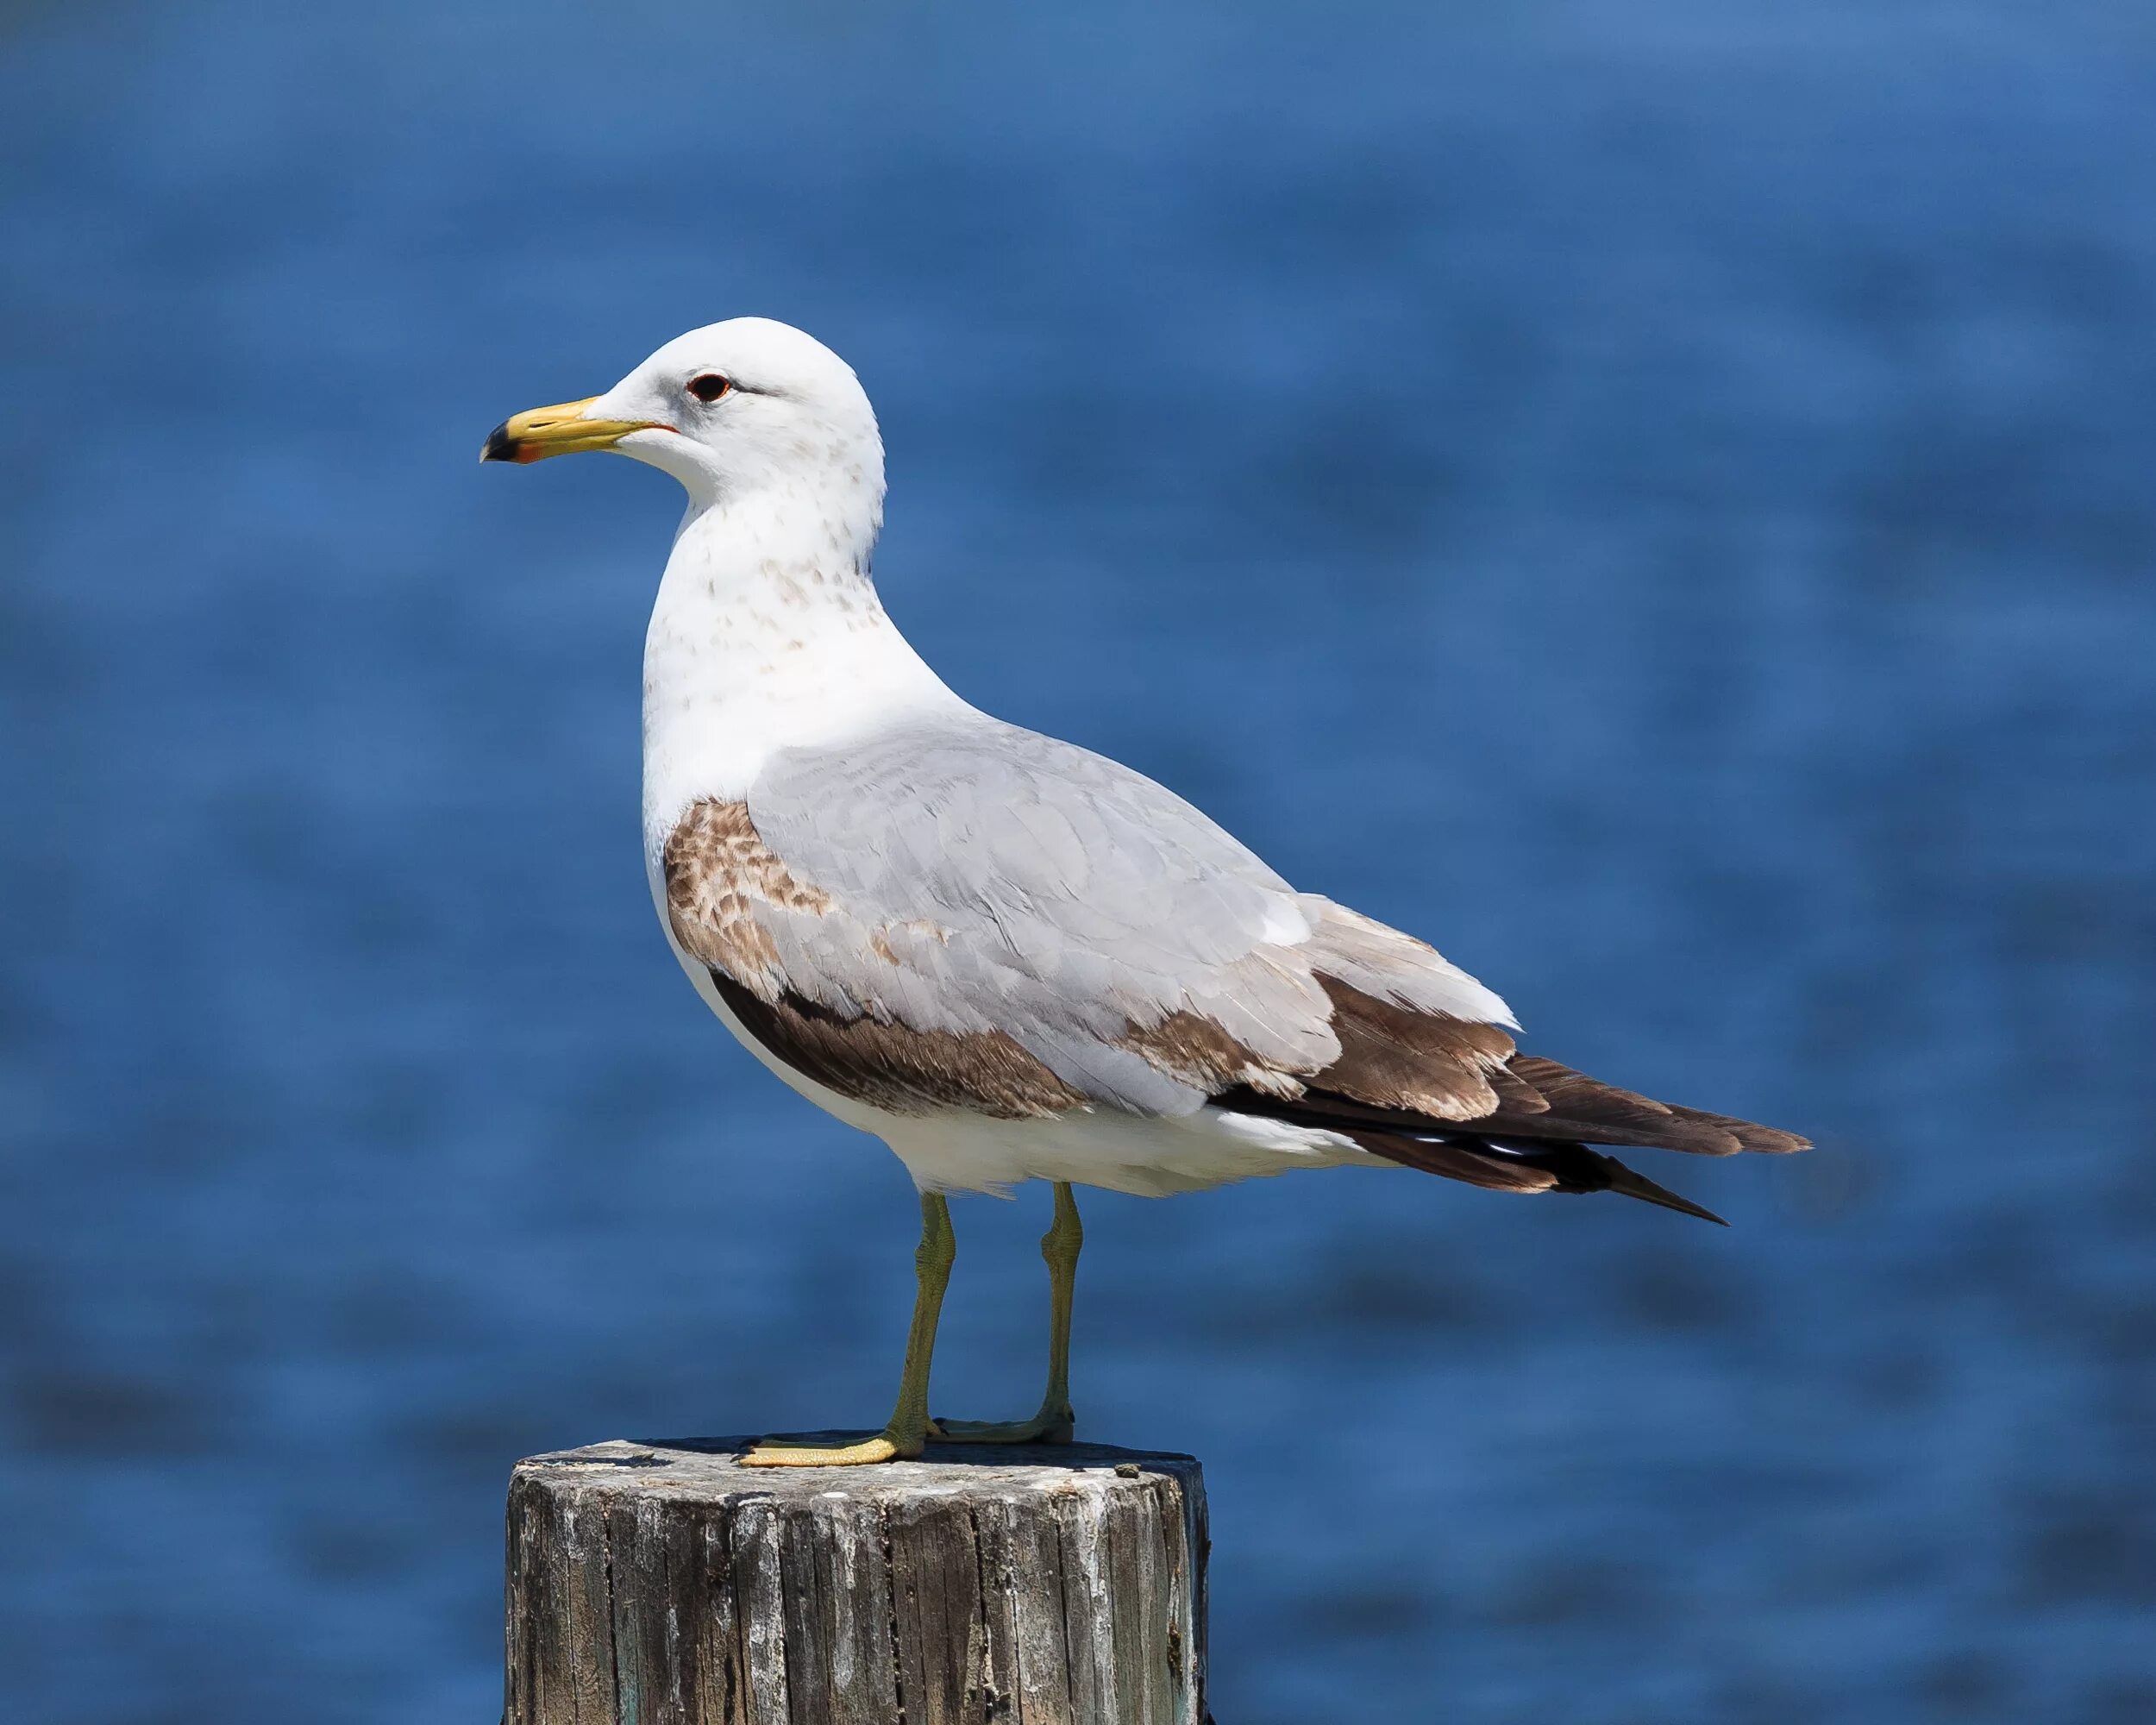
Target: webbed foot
886, 1446
1050, 1426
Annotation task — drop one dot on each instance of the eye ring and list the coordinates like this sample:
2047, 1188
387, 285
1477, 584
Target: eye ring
710, 386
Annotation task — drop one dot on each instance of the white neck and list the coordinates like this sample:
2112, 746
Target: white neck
767, 635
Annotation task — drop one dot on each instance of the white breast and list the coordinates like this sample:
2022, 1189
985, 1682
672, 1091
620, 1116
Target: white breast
766, 635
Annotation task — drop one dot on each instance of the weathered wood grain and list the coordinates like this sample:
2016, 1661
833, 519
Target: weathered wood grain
663, 1584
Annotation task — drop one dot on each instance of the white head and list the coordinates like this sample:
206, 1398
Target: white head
734, 411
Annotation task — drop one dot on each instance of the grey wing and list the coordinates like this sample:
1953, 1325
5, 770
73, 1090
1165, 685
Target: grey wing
982, 878
968, 915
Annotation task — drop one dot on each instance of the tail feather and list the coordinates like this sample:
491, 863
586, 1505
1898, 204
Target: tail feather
1532, 1136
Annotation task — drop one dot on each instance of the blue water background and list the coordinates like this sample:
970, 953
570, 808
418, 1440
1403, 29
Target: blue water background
1658, 497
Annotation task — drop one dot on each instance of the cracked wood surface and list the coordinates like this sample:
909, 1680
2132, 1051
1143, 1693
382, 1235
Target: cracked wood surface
661, 1584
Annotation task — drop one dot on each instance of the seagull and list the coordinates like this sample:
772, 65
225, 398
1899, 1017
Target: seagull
1006, 956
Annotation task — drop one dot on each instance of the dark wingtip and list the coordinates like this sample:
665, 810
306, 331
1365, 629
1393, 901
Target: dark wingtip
500, 445
1633, 1184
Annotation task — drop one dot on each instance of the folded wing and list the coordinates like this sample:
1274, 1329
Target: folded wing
971, 916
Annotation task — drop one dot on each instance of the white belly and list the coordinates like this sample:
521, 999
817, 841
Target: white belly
1152, 1158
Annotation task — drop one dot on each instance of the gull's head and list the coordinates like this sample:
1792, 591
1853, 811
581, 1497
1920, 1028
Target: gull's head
732, 408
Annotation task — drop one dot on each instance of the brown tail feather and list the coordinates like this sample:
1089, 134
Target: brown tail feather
1573, 1109
1587, 1108
1537, 1138
1763, 1140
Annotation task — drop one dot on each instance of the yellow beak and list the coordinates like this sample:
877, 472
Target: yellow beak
559, 430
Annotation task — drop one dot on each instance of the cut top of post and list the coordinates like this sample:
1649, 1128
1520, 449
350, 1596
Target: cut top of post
663, 1582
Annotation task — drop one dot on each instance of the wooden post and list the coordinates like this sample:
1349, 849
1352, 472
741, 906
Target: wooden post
663, 1584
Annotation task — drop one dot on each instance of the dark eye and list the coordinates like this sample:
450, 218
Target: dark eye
710, 385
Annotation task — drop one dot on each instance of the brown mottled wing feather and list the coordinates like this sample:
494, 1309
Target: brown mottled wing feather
1393, 1056
719, 875
891, 1067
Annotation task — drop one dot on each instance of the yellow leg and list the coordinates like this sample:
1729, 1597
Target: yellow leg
908, 1429
1060, 1246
